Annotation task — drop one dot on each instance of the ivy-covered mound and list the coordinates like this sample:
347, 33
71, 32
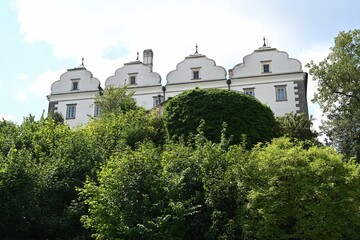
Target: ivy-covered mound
243, 114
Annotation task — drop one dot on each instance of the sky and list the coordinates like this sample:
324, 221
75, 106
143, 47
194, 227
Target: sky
41, 39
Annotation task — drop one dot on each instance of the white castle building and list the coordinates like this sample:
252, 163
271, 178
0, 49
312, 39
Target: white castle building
267, 74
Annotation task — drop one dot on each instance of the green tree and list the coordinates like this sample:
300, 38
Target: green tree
56, 116
39, 175
180, 192
115, 100
114, 132
8, 135
297, 126
294, 193
339, 92
243, 114
127, 201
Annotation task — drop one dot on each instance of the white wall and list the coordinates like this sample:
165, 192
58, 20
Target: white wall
280, 63
148, 83
83, 97
283, 71
145, 95
208, 70
143, 73
86, 81
84, 106
265, 90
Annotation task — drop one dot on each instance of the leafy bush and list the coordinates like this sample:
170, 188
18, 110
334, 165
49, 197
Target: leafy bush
243, 115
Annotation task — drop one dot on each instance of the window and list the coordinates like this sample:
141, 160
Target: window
132, 79
266, 67
96, 110
250, 91
195, 73
280, 93
75, 85
70, 111
158, 99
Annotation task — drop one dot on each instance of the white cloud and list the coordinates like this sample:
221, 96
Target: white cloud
41, 86
223, 31
21, 96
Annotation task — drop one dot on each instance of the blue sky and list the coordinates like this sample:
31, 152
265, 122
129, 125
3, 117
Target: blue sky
43, 38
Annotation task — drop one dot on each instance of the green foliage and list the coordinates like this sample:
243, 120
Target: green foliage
123, 182
243, 114
339, 92
213, 191
177, 193
343, 130
39, 174
8, 133
114, 132
297, 126
56, 116
115, 100
128, 199
293, 193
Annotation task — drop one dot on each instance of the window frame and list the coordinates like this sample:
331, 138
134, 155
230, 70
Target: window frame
280, 97
158, 100
197, 72
132, 78
266, 64
249, 90
75, 82
96, 110
71, 111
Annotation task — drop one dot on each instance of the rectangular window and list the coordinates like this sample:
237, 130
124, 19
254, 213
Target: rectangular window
70, 111
265, 66
250, 91
75, 85
132, 79
158, 100
96, 110
280, 93
195, 73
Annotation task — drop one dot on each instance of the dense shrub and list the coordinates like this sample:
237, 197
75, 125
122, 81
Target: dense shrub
278, 190
243, 115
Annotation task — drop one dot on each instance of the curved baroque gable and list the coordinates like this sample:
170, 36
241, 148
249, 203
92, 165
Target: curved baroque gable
142, 73
85, 79
208, 70
279, 62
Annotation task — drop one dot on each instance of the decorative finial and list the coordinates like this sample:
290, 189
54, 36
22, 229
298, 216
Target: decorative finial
264, 42
137, 56
196, 52
82, 61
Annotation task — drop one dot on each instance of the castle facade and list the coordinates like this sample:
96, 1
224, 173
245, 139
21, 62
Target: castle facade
266, 74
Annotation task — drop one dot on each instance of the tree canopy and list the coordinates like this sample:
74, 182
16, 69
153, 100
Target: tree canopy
297, 127
243, 115
213, 191
339, 92
115, 100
